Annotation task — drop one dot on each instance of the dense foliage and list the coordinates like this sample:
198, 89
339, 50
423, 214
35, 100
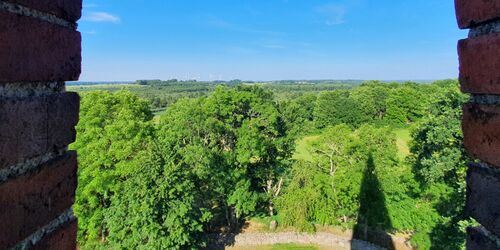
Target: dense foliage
113, 137
327, 190
224, 152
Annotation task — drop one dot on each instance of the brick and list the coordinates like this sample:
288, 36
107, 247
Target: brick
63, 116
33, 200
472, 12
476, 240
480, 64
483, 194
34, 126
71, 10
35, 51
62, 239
481, 128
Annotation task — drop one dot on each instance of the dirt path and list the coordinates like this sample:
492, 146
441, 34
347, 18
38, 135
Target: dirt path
324, 240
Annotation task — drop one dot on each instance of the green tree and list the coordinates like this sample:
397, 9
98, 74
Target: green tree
405, 104
236, 141
439, 163
298, 114
337, 107
160, 207
372, 97
113, 136
327, 190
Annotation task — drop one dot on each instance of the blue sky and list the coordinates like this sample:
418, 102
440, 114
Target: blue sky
269, 39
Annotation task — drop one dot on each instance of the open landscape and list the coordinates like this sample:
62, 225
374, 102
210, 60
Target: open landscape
249, 125
368, 160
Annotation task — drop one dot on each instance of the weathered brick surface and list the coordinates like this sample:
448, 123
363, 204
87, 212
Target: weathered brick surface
62, 239
31, 201
472, 12
481, 128
33, 126
62, 120
34, 51
70, 10
480, 64
478, 241
483, 196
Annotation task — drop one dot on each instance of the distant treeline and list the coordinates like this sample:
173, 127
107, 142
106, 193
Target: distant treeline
96, 83
160, 94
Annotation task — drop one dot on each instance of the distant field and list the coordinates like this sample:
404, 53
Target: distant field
403, 137
109, 87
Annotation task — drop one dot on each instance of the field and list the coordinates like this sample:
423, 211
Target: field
403, 138
301, 151
104, 87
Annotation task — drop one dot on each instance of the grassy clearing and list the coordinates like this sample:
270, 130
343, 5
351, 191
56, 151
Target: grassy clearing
301, 149
403, 138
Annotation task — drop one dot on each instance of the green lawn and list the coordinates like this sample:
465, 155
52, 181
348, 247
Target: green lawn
403, 137
301, 152
294, 246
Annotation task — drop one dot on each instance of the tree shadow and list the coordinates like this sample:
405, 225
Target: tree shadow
373, 221
225, 238
220, 241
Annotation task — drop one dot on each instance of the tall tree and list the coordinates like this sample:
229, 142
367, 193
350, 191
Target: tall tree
298, 114
236, 139
405, 104
439, 163
163, 205
372, 97
113, 136
337, 107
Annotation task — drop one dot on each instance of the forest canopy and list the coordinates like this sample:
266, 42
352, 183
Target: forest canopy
163, 171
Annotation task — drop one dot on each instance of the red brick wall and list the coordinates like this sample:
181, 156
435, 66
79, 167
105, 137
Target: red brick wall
479, 57
40, 48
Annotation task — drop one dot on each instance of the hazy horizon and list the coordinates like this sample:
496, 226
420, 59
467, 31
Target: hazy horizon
263, 81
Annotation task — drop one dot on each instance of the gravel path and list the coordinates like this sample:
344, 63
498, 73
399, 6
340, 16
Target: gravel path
327, 240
